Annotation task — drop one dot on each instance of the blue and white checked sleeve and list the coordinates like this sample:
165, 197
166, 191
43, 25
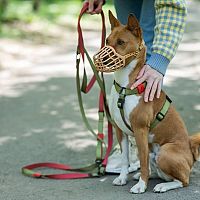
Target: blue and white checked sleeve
168, 32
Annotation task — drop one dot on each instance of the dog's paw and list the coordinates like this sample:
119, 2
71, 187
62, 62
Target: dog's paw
120, 180
134, 166
137, 176
139, 188
164, 187
160, 188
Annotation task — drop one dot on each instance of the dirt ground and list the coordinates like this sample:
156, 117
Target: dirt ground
40, 118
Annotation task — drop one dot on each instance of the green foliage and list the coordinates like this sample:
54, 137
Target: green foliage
50, 9
19, 13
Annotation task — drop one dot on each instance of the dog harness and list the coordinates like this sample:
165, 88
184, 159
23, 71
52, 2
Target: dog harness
123, 92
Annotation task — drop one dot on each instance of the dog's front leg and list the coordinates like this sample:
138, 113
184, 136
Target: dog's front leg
141, 137
122, 178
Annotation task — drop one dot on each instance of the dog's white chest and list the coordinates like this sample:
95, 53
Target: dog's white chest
131, 101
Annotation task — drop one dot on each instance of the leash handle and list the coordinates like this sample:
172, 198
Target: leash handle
80, 34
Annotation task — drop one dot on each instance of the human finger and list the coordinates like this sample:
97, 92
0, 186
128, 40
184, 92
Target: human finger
148, 89
138, 82
91, 6
99, 8
159, 89
153, 89
85, 2
141, 73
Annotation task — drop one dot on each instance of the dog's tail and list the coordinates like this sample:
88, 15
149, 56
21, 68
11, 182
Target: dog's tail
195, 144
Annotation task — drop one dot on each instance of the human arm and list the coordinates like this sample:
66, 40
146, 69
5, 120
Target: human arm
168, 32
170, 25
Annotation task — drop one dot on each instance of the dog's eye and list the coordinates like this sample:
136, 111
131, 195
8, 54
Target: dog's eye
120, 42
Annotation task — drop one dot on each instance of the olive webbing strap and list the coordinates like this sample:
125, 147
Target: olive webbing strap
80, 100
162, 113
101, 83
123, 92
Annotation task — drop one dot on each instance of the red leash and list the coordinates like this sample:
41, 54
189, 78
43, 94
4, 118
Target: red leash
98, 168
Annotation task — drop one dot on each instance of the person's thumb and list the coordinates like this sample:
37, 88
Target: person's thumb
91, 6
99, 7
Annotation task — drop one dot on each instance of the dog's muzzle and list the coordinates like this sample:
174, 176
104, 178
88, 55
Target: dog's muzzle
108, 60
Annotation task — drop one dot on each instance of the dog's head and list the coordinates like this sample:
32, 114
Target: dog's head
124, 44
124, 38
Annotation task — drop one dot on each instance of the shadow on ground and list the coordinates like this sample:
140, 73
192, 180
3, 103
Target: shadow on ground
40, 121
44, 124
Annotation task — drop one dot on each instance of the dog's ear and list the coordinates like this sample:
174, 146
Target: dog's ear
113, 21
133, 26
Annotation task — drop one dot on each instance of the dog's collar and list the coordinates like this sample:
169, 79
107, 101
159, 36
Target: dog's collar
128, 91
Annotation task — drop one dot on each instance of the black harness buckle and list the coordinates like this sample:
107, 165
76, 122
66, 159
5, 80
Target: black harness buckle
121, 99
98, 161
160, 116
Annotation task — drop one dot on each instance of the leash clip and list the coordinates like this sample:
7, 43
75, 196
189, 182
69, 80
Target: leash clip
102, 170
121, 99
98, 161
101, 167
78, 55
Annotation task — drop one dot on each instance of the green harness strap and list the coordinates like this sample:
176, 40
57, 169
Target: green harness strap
161, 115
123, 92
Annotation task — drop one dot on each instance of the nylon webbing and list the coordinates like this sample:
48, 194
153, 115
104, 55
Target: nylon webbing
98, 168
161, 115
123, 92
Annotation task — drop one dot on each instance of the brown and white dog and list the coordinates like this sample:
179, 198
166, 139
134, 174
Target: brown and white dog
173, 152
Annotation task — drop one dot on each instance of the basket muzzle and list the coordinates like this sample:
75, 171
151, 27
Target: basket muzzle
108, 60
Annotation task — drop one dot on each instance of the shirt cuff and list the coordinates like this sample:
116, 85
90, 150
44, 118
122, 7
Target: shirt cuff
158, 62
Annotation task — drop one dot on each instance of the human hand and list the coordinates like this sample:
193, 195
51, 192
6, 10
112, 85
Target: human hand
154, 81
95, 6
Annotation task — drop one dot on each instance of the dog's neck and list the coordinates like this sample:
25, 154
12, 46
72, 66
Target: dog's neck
122, 76
128, 75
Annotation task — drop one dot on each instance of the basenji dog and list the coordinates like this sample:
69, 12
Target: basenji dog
166, 151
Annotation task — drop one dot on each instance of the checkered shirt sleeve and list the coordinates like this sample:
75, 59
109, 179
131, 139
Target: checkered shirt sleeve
170, 25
